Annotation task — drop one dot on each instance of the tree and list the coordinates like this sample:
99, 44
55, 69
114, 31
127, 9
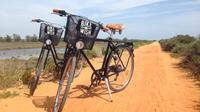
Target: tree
33, 38
16, 37
8, 38
2, 39
125, 39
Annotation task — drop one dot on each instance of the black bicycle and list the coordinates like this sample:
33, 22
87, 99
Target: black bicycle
50, 35
118, 63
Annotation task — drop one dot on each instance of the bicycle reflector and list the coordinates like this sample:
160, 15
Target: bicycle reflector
79, 45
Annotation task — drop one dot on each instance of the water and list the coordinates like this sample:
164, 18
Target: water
23, 53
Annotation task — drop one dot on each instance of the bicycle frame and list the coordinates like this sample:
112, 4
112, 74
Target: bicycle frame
110, 47
49, 48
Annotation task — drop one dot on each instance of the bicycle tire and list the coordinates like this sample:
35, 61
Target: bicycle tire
79, 67
112, 82
60, 100
38, 71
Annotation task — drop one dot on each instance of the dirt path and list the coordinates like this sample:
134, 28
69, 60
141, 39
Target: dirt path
157, 86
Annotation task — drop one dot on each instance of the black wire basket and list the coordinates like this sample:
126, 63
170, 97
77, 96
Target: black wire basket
50, 32
81, 29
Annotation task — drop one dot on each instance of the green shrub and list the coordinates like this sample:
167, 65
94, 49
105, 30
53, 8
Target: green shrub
176, 43
50, 66
180, 49
91, 54
6, 94
167, 45
188, 48
10, 72
191, 58
26, 76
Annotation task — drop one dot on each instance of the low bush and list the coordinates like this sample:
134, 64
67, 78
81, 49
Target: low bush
191, 59
188, 48
10, 72
91, 54
6, 94
26, 76
13, 72
176, 42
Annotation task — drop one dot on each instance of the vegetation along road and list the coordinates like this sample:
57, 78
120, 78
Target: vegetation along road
158, 85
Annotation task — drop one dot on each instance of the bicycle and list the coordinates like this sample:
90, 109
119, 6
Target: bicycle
81, 33
50, 35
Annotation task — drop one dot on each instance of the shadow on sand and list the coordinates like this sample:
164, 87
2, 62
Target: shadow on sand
80, 91
46, 102
196, 81
93, 92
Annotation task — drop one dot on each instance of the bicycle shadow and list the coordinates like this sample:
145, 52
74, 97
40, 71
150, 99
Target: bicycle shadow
45, 102
81, 91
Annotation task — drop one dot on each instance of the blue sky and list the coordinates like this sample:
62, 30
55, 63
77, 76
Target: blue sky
144, 19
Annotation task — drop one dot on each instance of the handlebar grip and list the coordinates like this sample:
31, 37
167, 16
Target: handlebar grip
36, 20
56, 10
60, 12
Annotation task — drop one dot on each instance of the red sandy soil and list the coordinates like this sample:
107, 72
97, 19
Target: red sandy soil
158, 85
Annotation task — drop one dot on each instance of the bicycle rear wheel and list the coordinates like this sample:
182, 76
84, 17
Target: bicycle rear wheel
38, 71
120, 68
63, 90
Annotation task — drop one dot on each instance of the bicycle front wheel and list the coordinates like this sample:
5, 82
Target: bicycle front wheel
80, 64
38, 71
120, 67
63, 90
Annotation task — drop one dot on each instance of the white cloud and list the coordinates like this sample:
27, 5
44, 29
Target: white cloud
107, 8
127, 4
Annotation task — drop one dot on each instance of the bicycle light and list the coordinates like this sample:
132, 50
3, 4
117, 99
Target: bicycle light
79, 45
48, 42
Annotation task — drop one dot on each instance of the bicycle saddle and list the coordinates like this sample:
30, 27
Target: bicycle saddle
115, 26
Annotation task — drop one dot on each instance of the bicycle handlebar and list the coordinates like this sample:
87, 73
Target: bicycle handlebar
64, 13
47, 22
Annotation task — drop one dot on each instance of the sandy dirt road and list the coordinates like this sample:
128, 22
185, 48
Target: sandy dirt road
157, 86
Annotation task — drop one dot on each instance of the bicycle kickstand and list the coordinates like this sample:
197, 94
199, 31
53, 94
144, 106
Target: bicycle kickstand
109, 91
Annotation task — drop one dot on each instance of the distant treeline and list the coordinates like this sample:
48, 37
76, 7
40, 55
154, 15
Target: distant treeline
34, 38
187, 47
136, 42
17, 38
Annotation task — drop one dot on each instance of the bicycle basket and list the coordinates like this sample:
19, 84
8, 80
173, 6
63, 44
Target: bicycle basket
50, 32
81, 28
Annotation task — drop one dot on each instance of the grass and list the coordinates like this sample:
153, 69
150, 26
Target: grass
9, 72
12, 71
7, 94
